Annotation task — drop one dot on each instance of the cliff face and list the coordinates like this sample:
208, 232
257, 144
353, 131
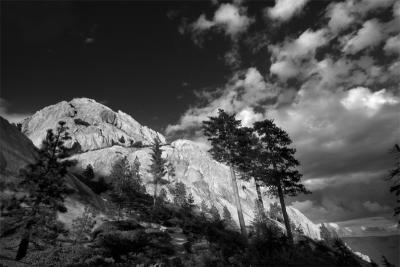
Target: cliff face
105, 136
91, 124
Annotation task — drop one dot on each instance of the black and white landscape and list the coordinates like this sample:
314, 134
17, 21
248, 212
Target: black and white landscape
200, 133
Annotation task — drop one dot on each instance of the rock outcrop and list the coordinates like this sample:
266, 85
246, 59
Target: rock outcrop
104, 136
91, 124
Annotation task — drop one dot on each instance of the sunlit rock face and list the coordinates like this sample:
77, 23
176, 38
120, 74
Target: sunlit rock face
204, 177
91, 124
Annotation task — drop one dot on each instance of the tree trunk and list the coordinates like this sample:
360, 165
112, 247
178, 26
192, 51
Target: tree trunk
238, 205
155, 194
24, 243
285, 215
259, 199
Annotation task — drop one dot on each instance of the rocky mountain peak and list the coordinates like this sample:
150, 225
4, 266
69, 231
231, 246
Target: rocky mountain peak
102, 136
92, 125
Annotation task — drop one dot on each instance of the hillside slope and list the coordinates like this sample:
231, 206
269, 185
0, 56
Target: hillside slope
104, 136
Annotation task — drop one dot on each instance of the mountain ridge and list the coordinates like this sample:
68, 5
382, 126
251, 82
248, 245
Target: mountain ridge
97, 131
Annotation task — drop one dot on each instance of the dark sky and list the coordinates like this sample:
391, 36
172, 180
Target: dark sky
327, 72
128, 54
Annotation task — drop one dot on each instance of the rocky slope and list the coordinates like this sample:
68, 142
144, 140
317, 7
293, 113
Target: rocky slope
102, 136
16, 151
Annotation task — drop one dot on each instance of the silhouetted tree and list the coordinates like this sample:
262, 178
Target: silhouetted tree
162, 196
222, 132
386, 263
43, 184
227, 218
170, 170
157, 167
215, 213
189, 203
88, 173
275, 212
127, 184
82, 226
179, 194
278, 163
394, 175
325, 233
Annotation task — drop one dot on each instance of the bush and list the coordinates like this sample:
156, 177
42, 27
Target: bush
81, 122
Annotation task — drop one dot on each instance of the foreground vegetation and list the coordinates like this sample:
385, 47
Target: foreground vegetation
139, 229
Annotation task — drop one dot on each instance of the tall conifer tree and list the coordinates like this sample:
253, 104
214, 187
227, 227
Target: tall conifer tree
157, 167
278, 163
222, 132
44, 187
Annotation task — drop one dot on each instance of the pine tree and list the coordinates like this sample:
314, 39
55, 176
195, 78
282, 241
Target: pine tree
386, 263
277, 161
394, 175
203, 206
88, 173
170, 170
82, 226
325, 233
179, 194
88, 178
162, 196
189, 203
127, 184
157, 167
44, 187
215, 214
275, 212
227, 218
222, 132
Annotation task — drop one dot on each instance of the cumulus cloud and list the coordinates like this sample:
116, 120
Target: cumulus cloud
290, 55
283, 10
243, 92
231, 18
304, 45
340, 16
370, 35
363, 99
341, 109
284, 69
392, 45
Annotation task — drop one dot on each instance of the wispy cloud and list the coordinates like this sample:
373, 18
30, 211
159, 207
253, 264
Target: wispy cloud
13, 117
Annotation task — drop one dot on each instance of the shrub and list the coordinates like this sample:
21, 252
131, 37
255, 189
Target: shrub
81, 122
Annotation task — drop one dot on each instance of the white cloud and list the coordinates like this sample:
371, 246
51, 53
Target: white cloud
240, 95
308, 206
375, 207
316, 184
202, 23
304, 45
283, 10
248, 117
392, 45
340, 16
231, 18
363, 99
366, 6
370, 35
284, 69
293, 57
